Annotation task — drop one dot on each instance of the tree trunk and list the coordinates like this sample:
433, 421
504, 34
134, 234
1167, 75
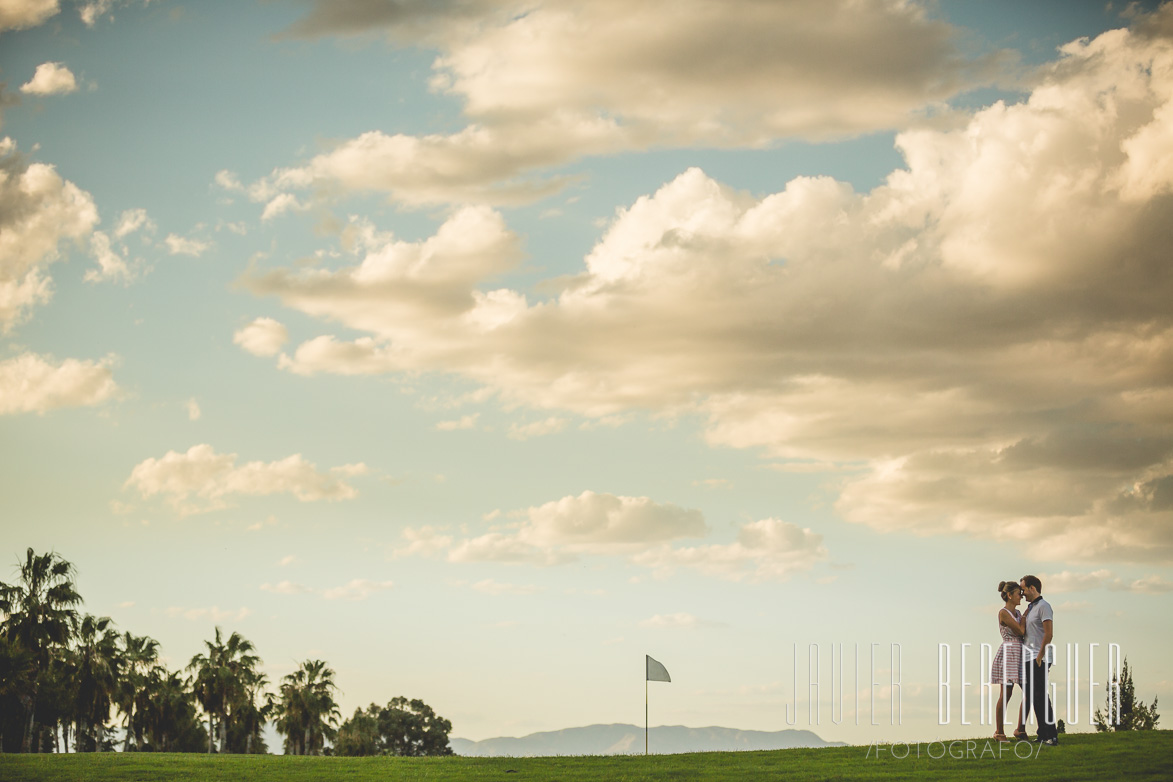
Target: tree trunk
306, 742
223, 733
129, 718
211, 733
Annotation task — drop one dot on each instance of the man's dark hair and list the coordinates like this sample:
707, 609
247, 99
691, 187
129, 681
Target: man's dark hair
1032, 581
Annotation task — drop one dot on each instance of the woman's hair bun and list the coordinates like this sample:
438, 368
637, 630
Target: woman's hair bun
1001, 587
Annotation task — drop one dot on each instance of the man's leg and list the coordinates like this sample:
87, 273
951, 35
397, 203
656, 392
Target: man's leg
1045, 711
1028, 692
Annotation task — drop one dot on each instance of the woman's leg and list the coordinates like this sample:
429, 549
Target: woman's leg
1003, 697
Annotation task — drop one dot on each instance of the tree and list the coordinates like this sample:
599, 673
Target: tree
359, 735
306, 711
40, 618
166, 713
413, 729
139, 655
1126, 712
96, 667
222, 680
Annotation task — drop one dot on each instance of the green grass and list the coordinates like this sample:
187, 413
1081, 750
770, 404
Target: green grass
1132, 756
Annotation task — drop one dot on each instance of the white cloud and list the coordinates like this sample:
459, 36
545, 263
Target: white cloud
551, 425
287, 560
193, 410
39, 211
545, 83
22, 14
766, 550
90, 11
464, 422
357, 589
280, 204
229, 181
214, 613
133, 220
30, 383
111, 264
426, 541
270, 521
490, 587
1068, 581
201, 479
983, 338
590, 523
50, 78
286, 588
179, 245
262, 337
677, 621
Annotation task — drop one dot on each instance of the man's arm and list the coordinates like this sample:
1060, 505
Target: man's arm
1048, 634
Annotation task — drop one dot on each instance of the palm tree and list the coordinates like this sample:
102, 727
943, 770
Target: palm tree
41, 618
307, 713
17, 671
165, 712
222, 680
97, 666
139, 655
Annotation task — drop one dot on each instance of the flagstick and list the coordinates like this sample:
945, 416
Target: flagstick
645, 716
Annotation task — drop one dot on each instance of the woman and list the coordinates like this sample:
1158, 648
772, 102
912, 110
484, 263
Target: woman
1007, 668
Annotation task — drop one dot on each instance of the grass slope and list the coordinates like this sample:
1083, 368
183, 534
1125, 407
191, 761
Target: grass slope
1132, 756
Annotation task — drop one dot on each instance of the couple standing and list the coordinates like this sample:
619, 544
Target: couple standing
1025, 658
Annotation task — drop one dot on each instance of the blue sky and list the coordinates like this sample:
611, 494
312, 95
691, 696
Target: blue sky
480, 348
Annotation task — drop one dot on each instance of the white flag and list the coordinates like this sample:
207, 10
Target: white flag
656, 671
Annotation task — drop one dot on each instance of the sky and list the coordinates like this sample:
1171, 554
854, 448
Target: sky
481, 348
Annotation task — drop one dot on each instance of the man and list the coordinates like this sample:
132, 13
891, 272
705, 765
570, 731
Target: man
1037, 657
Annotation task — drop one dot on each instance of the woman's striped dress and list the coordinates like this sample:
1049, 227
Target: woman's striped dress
1009, 655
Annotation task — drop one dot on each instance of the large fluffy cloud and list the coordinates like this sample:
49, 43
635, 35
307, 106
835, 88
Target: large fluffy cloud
200, 479
31, 383
988, 333
766, 550
546, 82
50, 78
559, 531
20, 14
39, 213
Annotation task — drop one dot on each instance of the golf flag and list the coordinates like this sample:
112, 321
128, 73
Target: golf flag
656, 671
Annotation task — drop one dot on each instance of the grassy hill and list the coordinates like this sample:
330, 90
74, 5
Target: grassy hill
1132, 756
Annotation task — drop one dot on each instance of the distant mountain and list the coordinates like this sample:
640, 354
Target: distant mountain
629, 740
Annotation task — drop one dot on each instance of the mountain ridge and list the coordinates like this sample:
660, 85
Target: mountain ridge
625, 739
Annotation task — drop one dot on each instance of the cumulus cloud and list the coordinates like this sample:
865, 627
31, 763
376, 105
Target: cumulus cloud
262, 337
193, 410
985, 337
464, 422
39, 212
1068, 581
213, 613
31, 383
112, 264
766, 550
201, 480
678, 621
50, 78
560, 531
551, 425
286, 588
182, 245
427, 541
545, 83
357, 589
133, 220
22, 14
490, 587
90, 11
